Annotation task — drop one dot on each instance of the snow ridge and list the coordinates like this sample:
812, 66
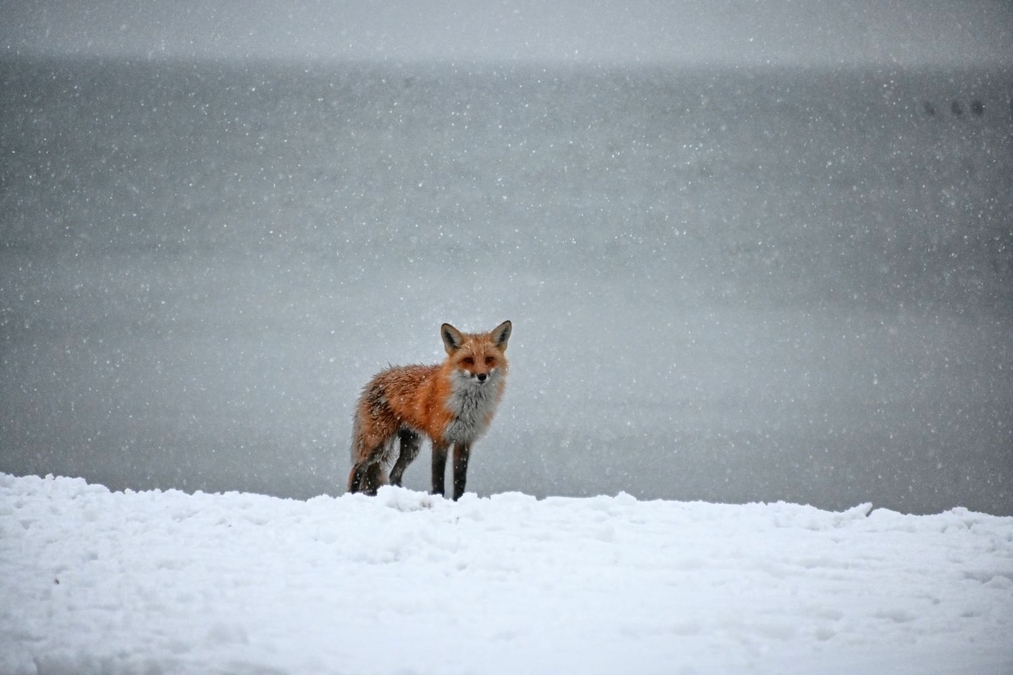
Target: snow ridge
124, 582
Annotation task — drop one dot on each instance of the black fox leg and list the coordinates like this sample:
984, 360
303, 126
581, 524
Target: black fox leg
367, 475
461, 453
355, 478
373, 478
439, 468
410, 444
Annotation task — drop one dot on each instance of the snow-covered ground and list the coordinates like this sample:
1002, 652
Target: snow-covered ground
95, 581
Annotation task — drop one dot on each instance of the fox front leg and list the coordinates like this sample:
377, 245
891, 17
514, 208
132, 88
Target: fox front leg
461, 453
439, 467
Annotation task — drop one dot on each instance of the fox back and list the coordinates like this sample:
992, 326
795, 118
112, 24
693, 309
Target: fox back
452, 404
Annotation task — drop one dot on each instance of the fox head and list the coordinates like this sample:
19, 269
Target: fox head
478, 357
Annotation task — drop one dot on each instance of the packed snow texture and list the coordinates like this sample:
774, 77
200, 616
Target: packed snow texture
725, 285
95, 581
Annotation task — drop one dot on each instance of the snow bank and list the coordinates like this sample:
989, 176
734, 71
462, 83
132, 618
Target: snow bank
95, 581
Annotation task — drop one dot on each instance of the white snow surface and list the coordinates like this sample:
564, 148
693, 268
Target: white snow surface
95, 581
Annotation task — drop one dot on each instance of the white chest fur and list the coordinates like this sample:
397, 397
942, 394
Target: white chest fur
473, 404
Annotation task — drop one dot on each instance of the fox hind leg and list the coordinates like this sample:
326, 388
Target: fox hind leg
357, 478
365, 475
369, 469
368, 475
410, 442
373, 478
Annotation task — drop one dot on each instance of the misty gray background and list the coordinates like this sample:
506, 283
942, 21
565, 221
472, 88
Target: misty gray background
752, 251
684, 32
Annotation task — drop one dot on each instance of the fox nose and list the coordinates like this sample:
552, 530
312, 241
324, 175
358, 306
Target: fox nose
481, 377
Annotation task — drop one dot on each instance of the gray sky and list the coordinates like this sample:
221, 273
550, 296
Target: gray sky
905, 32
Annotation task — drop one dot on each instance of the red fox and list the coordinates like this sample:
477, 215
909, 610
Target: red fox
452, 404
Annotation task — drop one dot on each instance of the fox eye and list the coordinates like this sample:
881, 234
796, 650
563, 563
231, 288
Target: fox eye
468, 361
489, 360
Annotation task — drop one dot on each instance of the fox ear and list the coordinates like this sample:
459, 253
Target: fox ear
501, 333
452, 338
